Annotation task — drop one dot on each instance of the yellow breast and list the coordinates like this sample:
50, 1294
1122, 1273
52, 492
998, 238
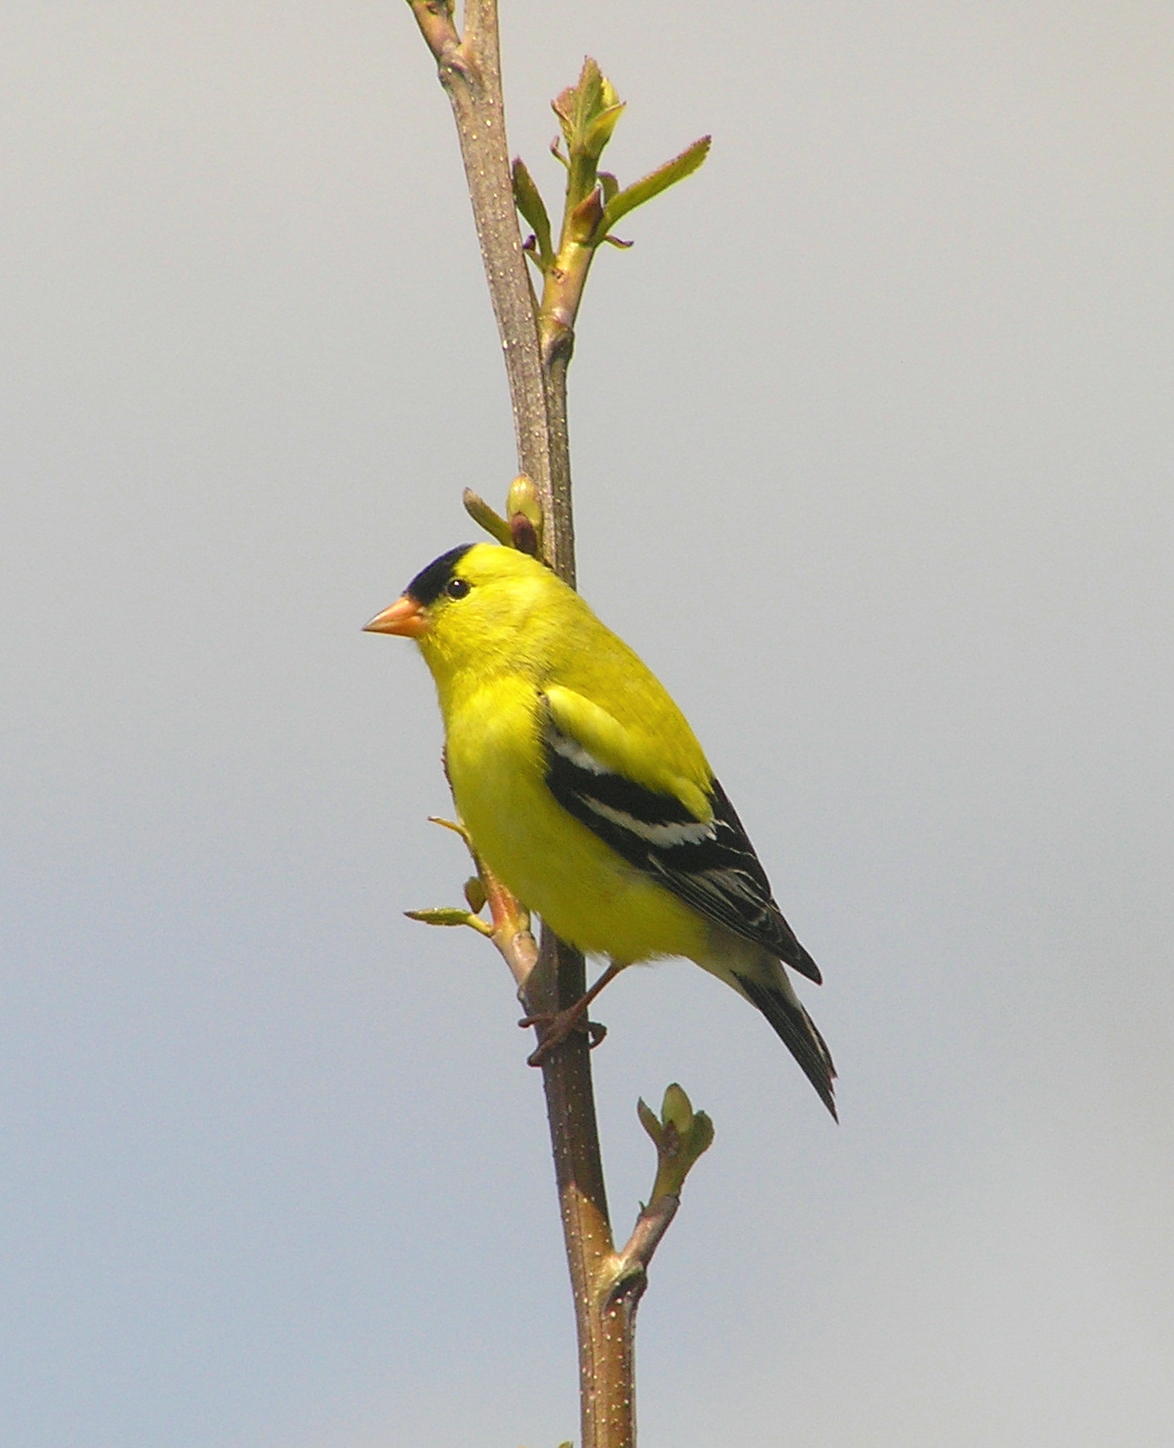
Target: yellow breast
583, 890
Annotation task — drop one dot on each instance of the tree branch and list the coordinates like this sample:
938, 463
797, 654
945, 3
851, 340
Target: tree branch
469, 68
536, 344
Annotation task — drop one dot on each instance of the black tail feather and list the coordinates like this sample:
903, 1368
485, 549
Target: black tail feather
797, 1031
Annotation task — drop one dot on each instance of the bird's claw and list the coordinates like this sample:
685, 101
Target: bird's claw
557, 1027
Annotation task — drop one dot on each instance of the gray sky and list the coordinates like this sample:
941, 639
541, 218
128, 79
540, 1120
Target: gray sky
872, 453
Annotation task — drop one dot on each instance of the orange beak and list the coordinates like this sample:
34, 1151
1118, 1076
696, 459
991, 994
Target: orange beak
405, 617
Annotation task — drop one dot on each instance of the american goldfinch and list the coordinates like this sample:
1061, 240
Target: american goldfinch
584, 789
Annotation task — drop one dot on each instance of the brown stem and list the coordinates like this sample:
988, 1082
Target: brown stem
470, 71
469, 68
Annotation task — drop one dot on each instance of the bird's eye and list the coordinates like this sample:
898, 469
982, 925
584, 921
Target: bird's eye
457, 587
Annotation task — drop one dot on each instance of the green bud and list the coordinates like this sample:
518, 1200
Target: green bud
680, 1134
442, 915
529, 202
483, 515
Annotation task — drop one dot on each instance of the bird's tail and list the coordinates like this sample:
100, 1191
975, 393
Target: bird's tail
778, 1002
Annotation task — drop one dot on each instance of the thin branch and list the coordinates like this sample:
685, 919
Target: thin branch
469, 68
537, 340
470, 71
651, 1225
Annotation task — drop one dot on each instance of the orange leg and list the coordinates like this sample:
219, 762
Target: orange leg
558, 1025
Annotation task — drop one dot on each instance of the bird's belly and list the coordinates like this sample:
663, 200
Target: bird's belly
581, 888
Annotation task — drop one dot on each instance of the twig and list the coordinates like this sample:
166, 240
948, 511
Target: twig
537, 341
469, 68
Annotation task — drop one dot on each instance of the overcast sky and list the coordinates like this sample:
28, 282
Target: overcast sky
873, 464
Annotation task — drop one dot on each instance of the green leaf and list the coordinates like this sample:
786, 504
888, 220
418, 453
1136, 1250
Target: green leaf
443, 915
587, 96
598, 131
588, 112
583, 221
482, 514
528, 200
703, 1133
656, 181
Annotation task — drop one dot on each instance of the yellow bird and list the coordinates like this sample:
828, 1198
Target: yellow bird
584, 789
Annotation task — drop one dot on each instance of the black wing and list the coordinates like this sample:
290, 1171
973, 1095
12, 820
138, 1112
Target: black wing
710, 864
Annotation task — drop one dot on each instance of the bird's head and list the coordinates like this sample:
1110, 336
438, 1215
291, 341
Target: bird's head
472, 608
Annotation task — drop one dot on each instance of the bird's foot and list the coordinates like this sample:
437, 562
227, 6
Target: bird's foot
558, 1026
